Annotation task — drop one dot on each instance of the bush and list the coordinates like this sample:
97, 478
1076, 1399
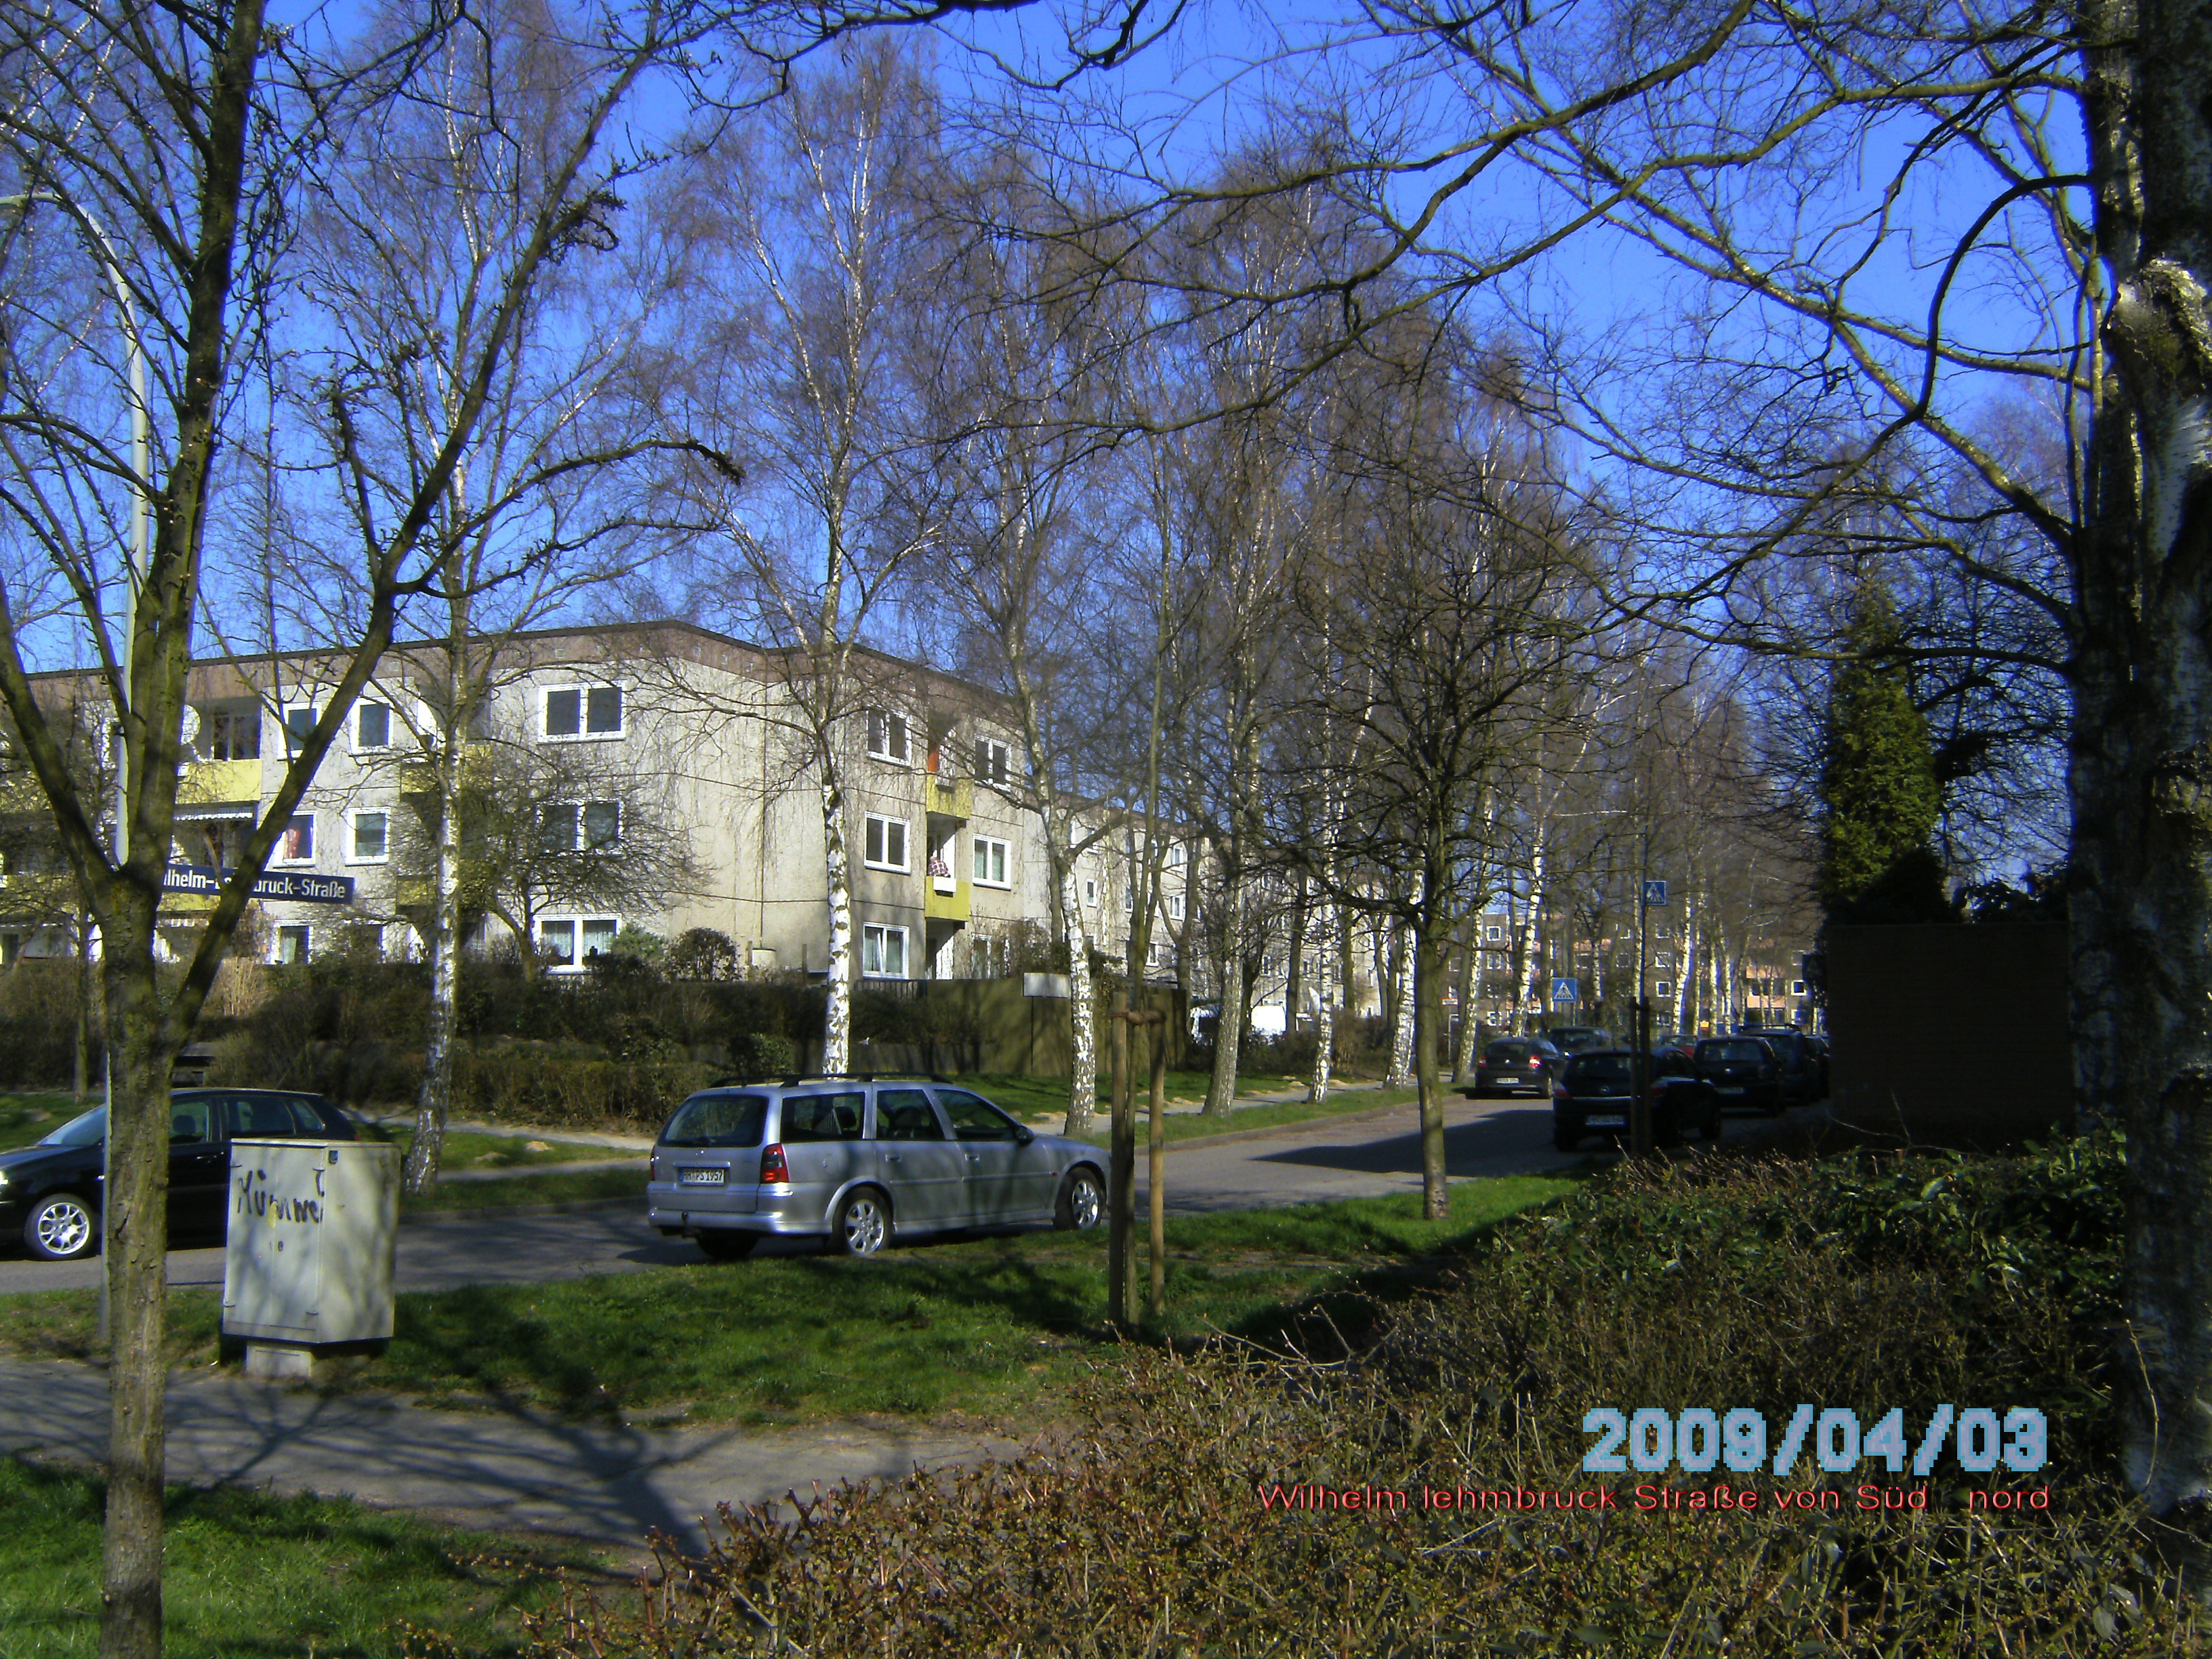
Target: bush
1162, 1524
570, 1087
39, 1007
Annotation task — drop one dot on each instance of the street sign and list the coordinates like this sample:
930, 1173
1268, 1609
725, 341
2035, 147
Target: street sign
1566, 990
1655, 892
301, 887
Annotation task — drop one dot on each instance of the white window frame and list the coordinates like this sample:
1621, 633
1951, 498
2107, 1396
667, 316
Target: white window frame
875, 936
994, 762
353, 726
583, 733
1178, 855
294, 736
1001, 855
353, 852
1090, 889
573, 821
1175, 907
883, 723
305, 933
905, 866
581, 923
277, 853
1493, 931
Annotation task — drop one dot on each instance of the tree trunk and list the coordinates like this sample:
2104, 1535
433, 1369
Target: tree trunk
136, 1224
433, 1107
1325, 960
837, 1006
1463, 1050
1082, 1009
1530, 978
1406, 1016
1426, 983
2140, 776
1228, 1027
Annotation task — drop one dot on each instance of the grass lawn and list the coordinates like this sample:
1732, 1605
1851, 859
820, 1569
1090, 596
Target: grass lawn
994, 1327
28, 1117
1030, 1098
249, 1574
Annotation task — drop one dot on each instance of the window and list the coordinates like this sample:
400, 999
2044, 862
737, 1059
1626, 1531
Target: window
1663, 960
372, 725
1090, 889
1797, 987
584, 711
372, 838
992, 762
991, 861
299, 721
1175, 907
886, 843
1175, 856
1664, 988
295, 843
1660, 930
234, 734
292, 938
1493, 932
571, 942
887, 736
883, 952
568, 826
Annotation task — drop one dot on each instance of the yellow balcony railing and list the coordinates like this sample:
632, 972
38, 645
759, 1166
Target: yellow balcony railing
946, 907
207, 782
950, 797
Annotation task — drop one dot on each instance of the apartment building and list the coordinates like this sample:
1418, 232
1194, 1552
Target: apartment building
646, 776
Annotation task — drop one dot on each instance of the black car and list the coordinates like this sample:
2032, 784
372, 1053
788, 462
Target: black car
1743, 1072
1595, 1091
1804, 1062
1513, 1064
51, 1192
1579, 1039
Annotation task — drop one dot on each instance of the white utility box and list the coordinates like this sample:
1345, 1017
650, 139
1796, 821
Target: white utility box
313, 1225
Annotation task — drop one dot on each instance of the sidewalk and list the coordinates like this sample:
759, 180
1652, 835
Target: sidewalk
510, 1471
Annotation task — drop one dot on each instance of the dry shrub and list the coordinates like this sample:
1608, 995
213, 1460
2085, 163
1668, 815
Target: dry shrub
558, 1087
1151, 1532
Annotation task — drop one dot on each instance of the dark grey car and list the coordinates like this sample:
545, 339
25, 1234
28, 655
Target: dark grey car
858, 1162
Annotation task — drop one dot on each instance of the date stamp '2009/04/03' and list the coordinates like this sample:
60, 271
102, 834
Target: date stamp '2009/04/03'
1651, 1440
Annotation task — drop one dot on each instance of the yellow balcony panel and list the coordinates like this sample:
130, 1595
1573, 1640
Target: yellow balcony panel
946, 907
950, 797
188, 904
207, 781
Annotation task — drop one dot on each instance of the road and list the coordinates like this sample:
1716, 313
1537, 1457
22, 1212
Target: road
1362, 1156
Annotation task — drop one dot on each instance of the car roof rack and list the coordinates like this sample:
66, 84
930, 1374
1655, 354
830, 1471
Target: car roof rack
786, 1079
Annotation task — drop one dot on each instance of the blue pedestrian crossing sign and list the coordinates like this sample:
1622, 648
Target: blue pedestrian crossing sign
1566, 990
1655, 892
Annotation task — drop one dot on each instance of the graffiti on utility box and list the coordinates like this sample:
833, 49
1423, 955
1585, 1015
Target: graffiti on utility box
259, 1201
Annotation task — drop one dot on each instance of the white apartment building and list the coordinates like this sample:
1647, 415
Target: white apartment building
663, 739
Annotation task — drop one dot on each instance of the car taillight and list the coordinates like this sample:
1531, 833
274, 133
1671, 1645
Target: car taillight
1560, 1093
773, 1168
653, 1169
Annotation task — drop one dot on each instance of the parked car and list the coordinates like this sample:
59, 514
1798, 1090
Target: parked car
1515, 1065
1577, 1039
1596, 1093
1804, 1062
857, 1162
51, 1192
1743, 1071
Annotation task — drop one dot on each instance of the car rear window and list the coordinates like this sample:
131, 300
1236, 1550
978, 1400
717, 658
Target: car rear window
1735, 1054
717, 1120
1508, 1050
1598, 1068
821, 1117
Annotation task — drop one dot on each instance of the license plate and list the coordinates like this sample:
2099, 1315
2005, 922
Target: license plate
701, 1177
1727, 1088
1605, 1123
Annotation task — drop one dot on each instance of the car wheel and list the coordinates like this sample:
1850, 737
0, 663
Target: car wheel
1082, 1203
1567, 1135
60, 1228
1713, 1122
725, 1245
863, 1226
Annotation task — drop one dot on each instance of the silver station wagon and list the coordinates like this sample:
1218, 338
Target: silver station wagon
857, 1162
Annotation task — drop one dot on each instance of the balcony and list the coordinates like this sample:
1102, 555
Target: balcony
939, 904
208, 783
948, 798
